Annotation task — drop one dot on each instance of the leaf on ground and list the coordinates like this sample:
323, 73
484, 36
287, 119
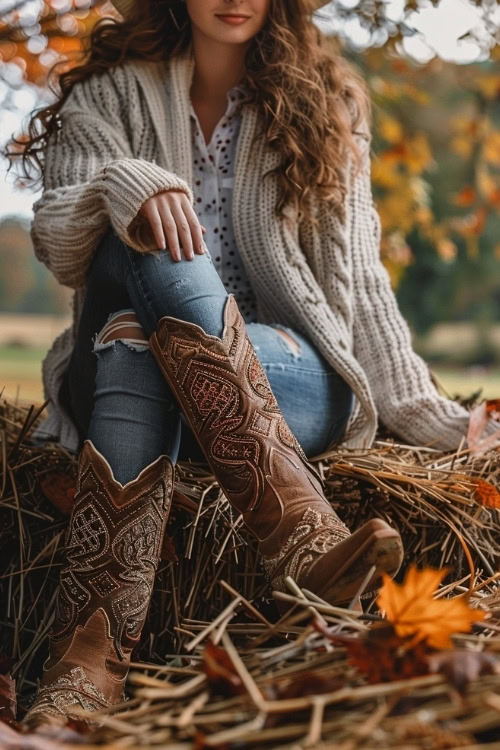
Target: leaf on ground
381, 655
299, 686
462, 666
59, 489
493, 405
413, 611
168, 551
200, 743
478, 420
486, 494
305, 683
220, 671
8, 697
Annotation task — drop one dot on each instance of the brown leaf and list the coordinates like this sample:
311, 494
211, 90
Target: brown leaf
493, 405
305, 683
200, 743
220, 671
298, 686
462, 666
381, 655
8, 698
59, 489
168, 551
478, 420
486, 494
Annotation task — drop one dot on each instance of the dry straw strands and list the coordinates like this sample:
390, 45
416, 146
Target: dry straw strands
216, 592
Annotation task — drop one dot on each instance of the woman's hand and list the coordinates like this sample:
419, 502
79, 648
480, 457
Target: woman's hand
174, 223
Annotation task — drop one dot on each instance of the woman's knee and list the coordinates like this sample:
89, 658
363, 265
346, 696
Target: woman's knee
122, 325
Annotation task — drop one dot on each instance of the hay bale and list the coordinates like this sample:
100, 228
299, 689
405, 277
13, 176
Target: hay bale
433, 498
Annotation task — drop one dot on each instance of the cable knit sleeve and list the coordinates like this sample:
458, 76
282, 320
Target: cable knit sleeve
405, 396
92, 180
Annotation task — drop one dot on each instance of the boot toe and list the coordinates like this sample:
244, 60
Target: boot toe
337, 576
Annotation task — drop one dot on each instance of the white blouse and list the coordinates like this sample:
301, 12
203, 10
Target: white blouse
213, 189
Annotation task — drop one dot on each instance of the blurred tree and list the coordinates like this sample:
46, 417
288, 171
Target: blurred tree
25, 284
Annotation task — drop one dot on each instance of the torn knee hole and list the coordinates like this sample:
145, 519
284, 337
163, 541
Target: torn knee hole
291, 341
124, 326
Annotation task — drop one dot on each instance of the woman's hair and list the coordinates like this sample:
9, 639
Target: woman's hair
309, 98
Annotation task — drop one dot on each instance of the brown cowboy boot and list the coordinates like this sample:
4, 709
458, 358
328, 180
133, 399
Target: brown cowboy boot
113, 543
226, 397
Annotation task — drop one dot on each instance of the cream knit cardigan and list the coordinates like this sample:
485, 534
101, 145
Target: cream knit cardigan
124, 136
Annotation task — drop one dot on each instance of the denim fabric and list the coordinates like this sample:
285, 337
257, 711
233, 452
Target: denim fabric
116, 393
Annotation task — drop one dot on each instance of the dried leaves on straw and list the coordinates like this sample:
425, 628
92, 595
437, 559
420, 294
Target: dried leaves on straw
220, 671
486, 494
461, 666
59, 489
413, 611
478, 421
396, 658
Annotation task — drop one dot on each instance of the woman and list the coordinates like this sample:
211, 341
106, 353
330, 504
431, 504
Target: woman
207, 196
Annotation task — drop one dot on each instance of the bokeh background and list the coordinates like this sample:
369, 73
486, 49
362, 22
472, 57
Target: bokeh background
433, 67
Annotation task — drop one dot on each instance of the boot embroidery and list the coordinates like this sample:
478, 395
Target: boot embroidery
69, 689
212, 395
126, 586
113, 546
259, 383
89, 537
315, 534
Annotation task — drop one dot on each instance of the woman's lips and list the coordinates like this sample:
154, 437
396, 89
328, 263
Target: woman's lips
233, 20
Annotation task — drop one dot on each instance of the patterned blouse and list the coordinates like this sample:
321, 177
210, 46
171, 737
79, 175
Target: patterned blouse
213, 174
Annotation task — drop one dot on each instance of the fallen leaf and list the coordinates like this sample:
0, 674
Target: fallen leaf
200, 742
305, 683
59, 489
493, 405
396, 658
8, 698
486, 494
479, 419
462, 666
299, 686
168, 551
220, 671
413, 611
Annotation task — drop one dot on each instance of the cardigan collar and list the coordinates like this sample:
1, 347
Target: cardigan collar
167, 86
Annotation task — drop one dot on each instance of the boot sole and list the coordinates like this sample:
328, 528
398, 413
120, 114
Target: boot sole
383, 550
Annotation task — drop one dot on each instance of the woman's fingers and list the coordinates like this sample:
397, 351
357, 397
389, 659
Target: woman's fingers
170, 229
196, 229
184, 228
153, 216
174, 223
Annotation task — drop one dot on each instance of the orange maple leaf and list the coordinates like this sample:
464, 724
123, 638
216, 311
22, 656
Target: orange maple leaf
413, 611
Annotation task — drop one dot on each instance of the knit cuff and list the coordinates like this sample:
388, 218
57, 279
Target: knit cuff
127, 184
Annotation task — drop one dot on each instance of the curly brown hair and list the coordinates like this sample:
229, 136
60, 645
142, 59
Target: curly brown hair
310, 98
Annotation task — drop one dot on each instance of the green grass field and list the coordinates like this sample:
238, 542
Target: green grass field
20, 376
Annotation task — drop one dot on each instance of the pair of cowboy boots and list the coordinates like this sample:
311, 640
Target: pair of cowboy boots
115, 532
112, 545
225, 395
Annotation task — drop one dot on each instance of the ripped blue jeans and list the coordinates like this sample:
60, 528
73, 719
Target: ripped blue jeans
115, 391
